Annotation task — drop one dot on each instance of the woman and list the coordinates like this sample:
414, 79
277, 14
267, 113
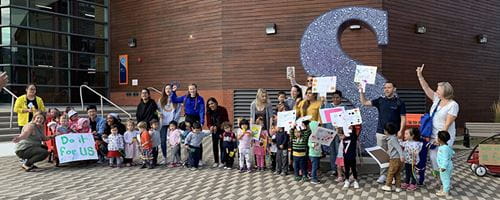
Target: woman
29, 143
26, 105
309, 106
444, 116
216, 115
168, 112
114, 119
194, 105
295, 96
261, 107
147, 108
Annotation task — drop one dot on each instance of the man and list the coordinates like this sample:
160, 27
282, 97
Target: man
4, 79
97, 126
303, 87
390, 109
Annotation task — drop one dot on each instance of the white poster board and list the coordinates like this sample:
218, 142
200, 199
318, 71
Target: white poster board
286, 119
365, 75
323, 85
290, 72
323, 136
76, 146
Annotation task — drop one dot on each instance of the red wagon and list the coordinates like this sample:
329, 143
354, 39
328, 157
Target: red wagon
473, 158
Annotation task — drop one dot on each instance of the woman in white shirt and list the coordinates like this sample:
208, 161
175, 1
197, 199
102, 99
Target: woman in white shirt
446, 113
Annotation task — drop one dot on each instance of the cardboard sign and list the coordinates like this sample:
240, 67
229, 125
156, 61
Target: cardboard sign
352, 117
489, 154
255, 131
380, 155
365, 75
325, 113
290, 72
76, 146
286, 119
323, 136
323, 85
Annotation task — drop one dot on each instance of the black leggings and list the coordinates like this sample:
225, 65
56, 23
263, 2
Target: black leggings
216, 145
410, 174
350, 165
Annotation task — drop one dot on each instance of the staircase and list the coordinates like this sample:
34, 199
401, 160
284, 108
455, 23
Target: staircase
6, 133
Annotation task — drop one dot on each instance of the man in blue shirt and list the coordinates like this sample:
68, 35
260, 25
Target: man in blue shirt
390, 109
97, 126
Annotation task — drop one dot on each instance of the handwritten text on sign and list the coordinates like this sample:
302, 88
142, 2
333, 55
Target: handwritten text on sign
76, 146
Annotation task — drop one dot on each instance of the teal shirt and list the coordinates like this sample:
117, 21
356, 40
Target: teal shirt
314, 152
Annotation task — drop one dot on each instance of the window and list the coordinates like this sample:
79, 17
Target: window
86, 61
19, 2
90, 78
48, 76
58, 6
45, 58
88, 45
5, 55
19, 17
88, 28
89, 11
88, 96
49, 40
19, 55
48, 22
19, 75
53, 94
5, 16
20, 36
5, 36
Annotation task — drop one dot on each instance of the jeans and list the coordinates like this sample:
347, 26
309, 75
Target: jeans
315, 166
194, 156
422, 164
163, 135
334, 149
282, 161
299, 163
216, 145
154, 151
176, 154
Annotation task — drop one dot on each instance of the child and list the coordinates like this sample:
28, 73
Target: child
186, 129
155, 139
282, 105
412, 147
339, 161
193, 142
63, 127
259, 149
146, 145
314, 155
299, 150
282, 141
83, 125
131, 144
115, 147
273, 148
349, 146
174, 139
73, 120
444, 160
245, 140
396, 158
422, 164
228, 145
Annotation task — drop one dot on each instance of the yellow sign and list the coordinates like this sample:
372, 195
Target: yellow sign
489, 154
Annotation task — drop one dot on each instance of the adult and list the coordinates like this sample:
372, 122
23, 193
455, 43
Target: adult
97, 127
147, 108
29, 143
114, 119
26, 105
261, 107
334, 145
390, 109
216, 115
4, 79
194, 104
295, 96
309, 82
445, 114
309, 106
169, 112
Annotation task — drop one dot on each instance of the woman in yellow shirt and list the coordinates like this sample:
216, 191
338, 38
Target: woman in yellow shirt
26, 105
309, 106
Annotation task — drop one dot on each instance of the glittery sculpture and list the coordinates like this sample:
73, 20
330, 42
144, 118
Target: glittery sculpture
322, 55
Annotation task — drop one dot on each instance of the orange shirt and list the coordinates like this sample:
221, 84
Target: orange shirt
146, 140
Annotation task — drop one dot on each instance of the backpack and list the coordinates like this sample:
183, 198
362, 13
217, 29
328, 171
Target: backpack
426, 122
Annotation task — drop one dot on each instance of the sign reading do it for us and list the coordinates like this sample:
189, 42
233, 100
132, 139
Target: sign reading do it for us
76, 146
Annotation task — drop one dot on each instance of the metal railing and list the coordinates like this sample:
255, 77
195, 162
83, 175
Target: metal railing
13, 100
154, 89
102, 104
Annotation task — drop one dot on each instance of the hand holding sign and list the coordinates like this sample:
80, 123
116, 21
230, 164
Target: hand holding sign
290, 72
365, 75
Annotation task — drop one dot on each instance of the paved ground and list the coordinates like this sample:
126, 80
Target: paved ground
101, 182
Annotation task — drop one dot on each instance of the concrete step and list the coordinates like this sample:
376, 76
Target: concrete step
6, 134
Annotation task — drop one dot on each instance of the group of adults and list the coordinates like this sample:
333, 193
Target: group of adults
169, 107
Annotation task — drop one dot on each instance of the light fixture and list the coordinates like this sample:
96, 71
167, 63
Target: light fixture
420, 29
482, 39
132, 43
271, 29
355, 27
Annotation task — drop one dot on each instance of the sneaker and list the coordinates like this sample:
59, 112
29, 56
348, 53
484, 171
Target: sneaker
221, 165
442, 194
297, 178
284, 174
315, 182
215, 165
162, 162
404, 186
411, 187
305, 179
386, 188
241, 170
225, 167
397, 189
339, 179
346, 184
201, 163
193, 169
249, 171
276, 173
356, 185
381, 179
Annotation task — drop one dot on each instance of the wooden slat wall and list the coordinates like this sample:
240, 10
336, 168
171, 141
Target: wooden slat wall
449, 50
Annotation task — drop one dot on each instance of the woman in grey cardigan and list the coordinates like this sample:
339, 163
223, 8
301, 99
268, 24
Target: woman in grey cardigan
261, 107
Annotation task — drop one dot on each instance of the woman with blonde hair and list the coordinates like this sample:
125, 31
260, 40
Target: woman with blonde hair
261, 107
444, 110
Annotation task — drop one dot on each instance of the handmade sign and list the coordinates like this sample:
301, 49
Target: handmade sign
352, 117
286, 119
489, 154
323, 85
325, 114
76, 146
299, 121
255, 131
380, 155
290, 72
323, 136
365, 75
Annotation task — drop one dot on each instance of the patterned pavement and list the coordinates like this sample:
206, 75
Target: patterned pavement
101, 182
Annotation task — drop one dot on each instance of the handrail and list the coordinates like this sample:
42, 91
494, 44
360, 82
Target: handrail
13, 98
102, 97
154, 89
